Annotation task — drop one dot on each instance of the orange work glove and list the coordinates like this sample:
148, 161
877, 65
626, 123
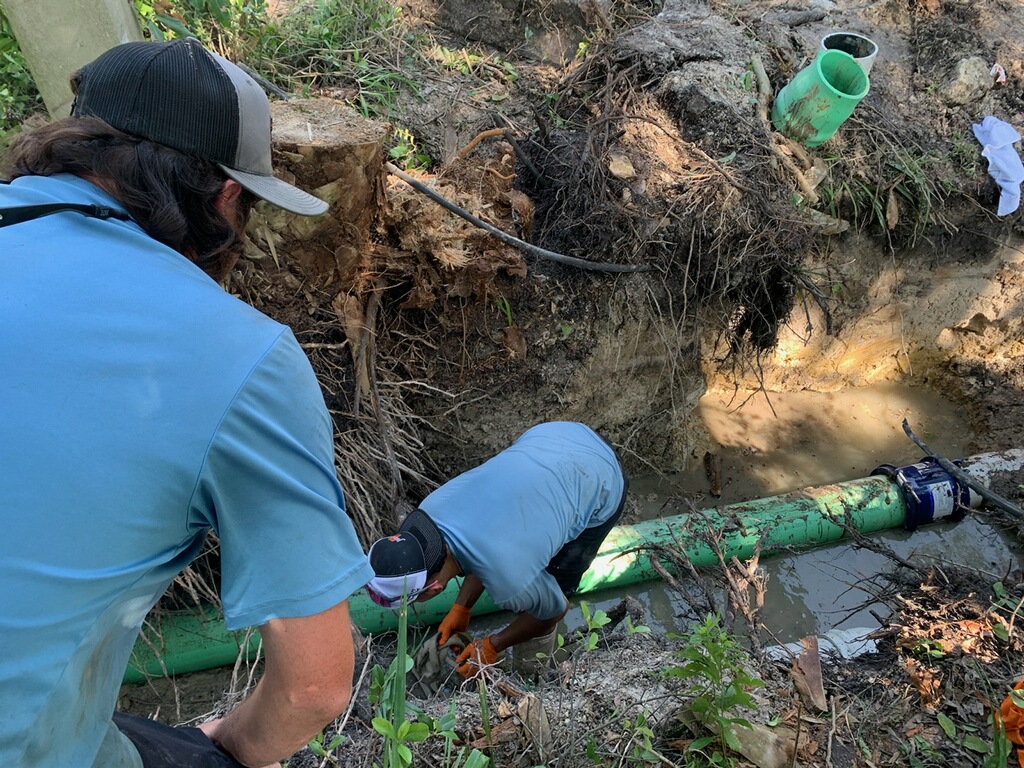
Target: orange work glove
457, 620
476, 655
1013, 722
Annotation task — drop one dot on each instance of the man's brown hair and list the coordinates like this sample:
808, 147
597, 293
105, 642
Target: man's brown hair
168, 193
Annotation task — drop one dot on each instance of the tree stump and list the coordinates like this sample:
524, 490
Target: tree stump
326, 148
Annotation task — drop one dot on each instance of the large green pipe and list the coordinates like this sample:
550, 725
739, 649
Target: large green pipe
187, 642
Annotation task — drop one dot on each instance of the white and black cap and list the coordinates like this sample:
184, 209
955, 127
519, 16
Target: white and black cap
179, 94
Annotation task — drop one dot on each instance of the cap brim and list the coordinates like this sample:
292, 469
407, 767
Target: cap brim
393, 587
279, 193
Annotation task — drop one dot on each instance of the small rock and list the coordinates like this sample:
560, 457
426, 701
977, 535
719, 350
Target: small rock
968, 82
620, 167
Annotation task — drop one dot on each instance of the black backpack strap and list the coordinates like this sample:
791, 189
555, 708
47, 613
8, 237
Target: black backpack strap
22, 213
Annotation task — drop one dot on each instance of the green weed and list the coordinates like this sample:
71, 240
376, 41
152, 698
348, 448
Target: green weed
717, 683
320, 749
406, 153
1004, 611
640, 738
504, 308
232, 28
340, 42
19, 97
461, 60
319, 43
925, 648
388, 694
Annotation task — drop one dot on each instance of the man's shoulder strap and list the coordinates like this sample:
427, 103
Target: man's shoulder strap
18, 214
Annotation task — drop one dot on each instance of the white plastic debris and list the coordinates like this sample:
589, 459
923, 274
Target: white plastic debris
998, 73
1004, 164
845, 643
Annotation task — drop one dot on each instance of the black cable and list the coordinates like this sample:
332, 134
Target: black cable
515, 242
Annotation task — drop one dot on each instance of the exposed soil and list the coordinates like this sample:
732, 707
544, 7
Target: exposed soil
874, 258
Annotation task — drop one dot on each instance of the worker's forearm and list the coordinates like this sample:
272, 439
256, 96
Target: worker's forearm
306, 684
470, 591
268, 727
524, 627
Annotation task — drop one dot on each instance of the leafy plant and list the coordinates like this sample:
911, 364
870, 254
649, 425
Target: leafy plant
641, 739
341, 42
233, 28
594, 622
637, 630
445, 727
19, 96
388, 693
717, 682
926, 648
465, 63
504, 308
406, 153
1003, 603
330, 42
320, 749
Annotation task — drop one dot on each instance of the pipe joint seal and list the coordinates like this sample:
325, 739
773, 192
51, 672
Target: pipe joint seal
929, 491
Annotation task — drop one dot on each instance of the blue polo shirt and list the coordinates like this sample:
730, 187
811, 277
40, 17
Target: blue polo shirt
141, 406
505, 519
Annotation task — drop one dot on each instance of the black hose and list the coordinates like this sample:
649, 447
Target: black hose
515, 242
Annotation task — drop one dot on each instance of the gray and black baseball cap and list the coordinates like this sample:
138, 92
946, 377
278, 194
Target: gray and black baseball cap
180, 94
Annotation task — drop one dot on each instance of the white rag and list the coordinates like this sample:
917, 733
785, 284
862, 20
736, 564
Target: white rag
1004, 163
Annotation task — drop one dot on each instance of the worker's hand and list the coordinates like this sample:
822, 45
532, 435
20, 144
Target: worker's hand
457, 620
476, 656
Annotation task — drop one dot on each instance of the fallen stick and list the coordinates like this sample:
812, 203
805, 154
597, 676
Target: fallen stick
963, 477
505, 237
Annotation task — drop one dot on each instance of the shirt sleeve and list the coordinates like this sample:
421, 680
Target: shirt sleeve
269, 489
541, 598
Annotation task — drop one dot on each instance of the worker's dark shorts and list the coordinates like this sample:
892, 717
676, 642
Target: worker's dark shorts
573, 560
162, 746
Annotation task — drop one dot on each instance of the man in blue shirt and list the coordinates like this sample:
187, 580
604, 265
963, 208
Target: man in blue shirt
141, 407
525, 525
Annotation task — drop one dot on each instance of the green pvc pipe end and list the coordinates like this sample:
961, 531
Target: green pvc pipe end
820, 98
191, 641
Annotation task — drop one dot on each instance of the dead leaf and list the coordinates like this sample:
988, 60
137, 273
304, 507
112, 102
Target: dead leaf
926, 682
892, 211
514, 341
806, 674
534, 718
501, 733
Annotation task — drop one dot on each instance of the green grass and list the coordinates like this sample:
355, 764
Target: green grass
356, 44
19, 97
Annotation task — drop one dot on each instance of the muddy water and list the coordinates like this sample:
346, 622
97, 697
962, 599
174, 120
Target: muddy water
785, 441
775, 443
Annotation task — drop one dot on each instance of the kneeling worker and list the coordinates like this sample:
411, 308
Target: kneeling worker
524, 525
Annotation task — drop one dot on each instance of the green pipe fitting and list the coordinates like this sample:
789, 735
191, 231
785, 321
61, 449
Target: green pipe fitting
820, 98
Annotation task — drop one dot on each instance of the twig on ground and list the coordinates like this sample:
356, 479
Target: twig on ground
876, 545
963, 477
